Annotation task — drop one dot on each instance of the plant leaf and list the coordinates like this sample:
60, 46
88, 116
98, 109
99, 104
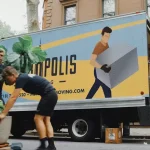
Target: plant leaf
27, 68
18, 48
29, 65
5, 59
39, 53
21, 62
33, 57
12, 57
16, 64
25, 64
26, 42
22, 66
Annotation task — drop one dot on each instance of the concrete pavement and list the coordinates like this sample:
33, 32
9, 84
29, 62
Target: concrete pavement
31, 144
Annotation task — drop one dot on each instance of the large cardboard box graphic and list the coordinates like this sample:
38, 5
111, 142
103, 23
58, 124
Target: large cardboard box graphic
123, 59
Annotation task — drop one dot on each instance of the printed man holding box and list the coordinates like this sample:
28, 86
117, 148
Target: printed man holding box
100, 47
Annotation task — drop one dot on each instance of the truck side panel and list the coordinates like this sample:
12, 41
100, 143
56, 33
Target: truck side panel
69, 50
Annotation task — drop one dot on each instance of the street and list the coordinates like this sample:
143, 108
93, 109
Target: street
30, 143
63, 142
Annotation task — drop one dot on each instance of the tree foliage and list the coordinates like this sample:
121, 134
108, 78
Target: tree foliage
5, 30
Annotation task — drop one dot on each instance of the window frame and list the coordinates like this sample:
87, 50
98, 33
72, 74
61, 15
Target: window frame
103, 14
65, 10
68, 4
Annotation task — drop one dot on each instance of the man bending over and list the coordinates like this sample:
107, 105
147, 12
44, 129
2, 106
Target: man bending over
34, 84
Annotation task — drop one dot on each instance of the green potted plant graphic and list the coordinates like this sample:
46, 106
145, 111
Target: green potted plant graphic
24, 55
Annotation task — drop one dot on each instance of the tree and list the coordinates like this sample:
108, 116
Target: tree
32, 15
5, 30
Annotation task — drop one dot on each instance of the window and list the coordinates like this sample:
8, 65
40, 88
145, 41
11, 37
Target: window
70, 14
108, 8
148, 7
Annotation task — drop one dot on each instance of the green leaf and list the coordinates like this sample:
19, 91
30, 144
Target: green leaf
6, 63
5, 59
29, 65
12, 57
16, 64
33, 57
39, 53
26, 42
21, 61
18, 48
27, 68
25, 64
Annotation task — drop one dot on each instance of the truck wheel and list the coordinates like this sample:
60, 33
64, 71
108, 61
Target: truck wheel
81, 130
17, 133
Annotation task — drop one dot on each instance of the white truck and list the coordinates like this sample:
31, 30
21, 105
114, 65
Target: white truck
90, 99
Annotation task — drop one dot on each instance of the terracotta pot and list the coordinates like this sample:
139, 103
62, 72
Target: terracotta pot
5, 128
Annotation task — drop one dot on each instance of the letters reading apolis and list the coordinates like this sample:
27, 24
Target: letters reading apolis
57, 65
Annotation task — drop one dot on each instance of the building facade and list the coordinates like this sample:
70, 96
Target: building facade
66, 12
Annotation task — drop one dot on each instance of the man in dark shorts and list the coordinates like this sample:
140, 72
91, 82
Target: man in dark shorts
34, 84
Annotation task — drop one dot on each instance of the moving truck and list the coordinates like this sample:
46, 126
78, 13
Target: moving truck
90, 98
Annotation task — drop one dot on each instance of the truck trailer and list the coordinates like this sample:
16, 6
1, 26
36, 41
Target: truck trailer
90, 99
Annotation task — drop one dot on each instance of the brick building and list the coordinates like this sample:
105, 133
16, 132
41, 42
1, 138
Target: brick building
65, 12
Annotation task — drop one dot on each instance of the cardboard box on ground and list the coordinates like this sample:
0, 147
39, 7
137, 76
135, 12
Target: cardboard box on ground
123, 59
113, 135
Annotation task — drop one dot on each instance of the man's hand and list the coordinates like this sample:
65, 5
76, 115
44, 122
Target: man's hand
11, 100
105, 68
2, 116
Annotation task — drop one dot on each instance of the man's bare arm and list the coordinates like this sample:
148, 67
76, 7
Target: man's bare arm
11, 100
93, 61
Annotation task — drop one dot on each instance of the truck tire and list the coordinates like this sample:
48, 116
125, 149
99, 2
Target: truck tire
17, 133
81, 130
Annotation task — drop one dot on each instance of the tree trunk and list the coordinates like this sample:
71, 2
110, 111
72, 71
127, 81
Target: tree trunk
32, 15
